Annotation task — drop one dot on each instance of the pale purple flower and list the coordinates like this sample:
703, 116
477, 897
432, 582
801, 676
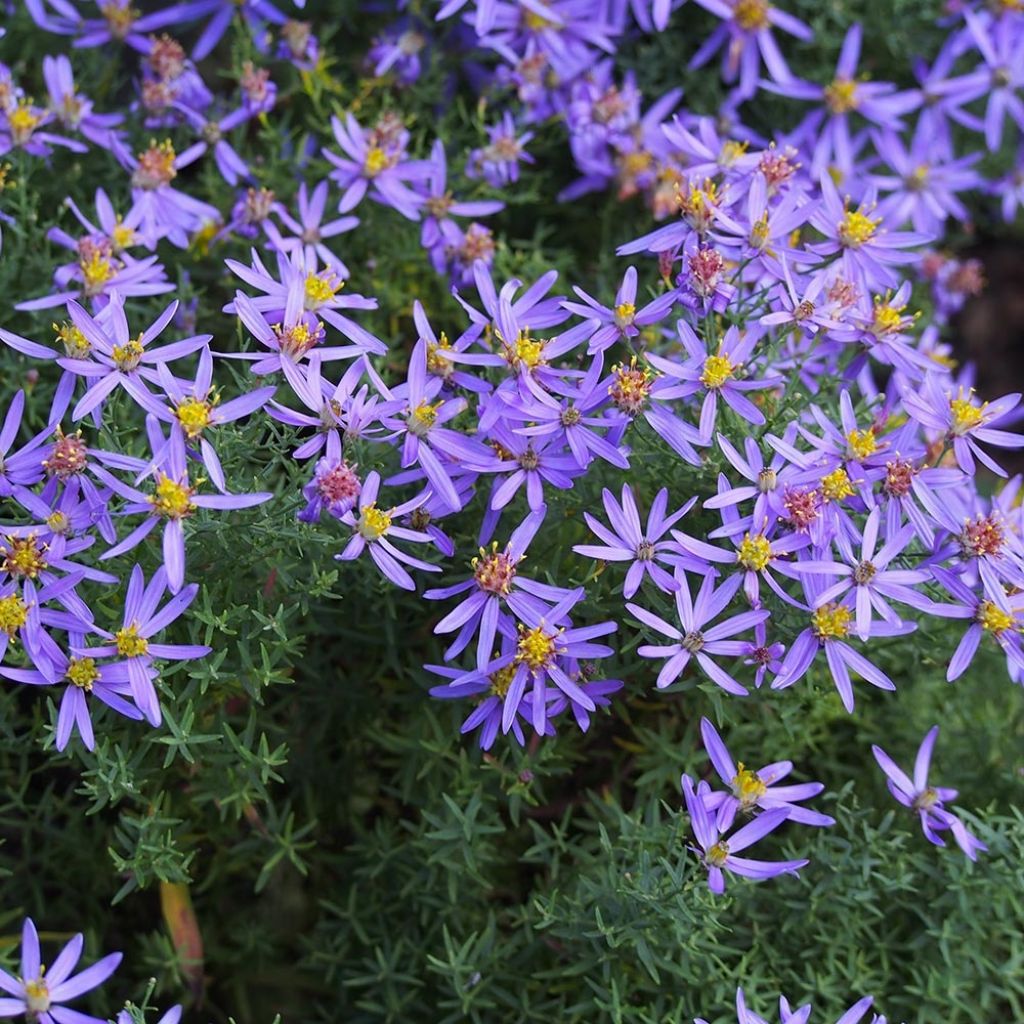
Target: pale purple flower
926, 800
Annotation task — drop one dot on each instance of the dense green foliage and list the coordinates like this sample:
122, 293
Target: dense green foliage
347, 855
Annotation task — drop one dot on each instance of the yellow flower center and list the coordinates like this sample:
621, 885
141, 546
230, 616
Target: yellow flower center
58, 522
624, 313
122, 236
119, 19
856, 228
841, 96
97, 270
422, 418
732, 149
527, 351
376, 161
321, 288
831, 621
966, 415
22, 123
24, 557
172, 500
194, 416
993, 618
502, 680
82, 672
437, 364
717, 370
862, 443
37, 996
75, 343
750, 15
836, 485
373, 522
747, 787
535, 647
156, 166
754, 552
13, 614
717, 855
128, 356
887, 319
129, 643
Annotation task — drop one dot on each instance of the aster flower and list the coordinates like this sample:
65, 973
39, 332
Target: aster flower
806, 314
694, 640
767, 483
867, 250
718, 855
831, 623
161, 210
133, 643
543, 650
623, 321
927, 801
39, 997
845, 95
487, 687
626, 540
21, 468
962, 421
498, 162
118, 360
762, 656
374, 159
309, 231
80, 675
72, 109
496, 587
212, 132
868, 575
440, 233
745, 34
194, 410
374, 529
426, 440
994, 615
300, 288
755, 790
173, 500
715, 375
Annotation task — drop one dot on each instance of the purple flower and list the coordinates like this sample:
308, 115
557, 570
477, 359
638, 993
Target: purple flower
962, 421
867, 250
628, 541
718, 855
749, 790
716, 374
173, 500
994, 615
747, 38
693, 639
496, 585
868, 574
543, 650
133, 642
375, 158
830, 626
498, 162
38, 996
309, 231
374, 529
624, 320
927, 800
117, 358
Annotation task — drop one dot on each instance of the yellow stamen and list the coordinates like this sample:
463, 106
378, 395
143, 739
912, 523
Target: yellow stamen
13, 614
747, 787
717, 370
831, 621
535, 647
856, 228
82, 672
836, 485
754, 553
992, 618
172, 500
129, 643
194, 416
373, 522
862, 443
